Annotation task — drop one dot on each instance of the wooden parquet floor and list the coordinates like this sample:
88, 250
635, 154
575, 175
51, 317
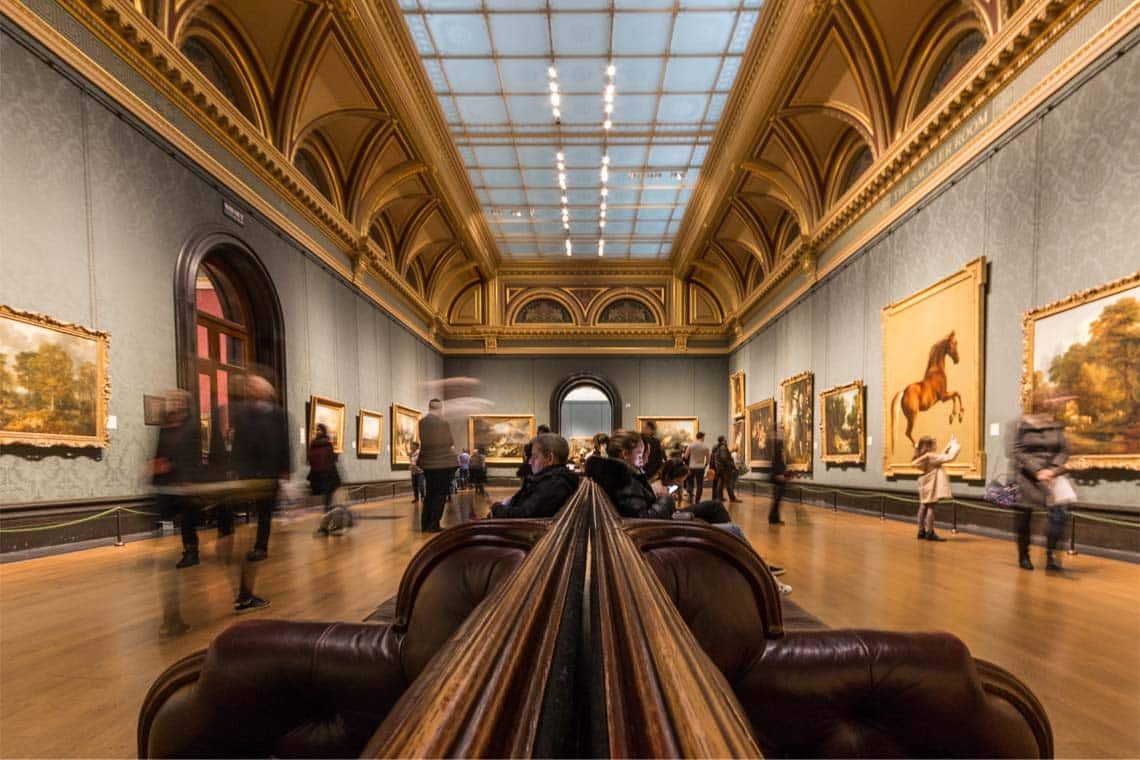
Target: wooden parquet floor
80, 643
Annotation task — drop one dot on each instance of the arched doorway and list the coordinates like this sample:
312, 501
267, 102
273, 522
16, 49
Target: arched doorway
228, 322
583, 404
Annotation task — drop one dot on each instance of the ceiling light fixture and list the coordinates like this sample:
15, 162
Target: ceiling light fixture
608, 95
559, 156
601, 247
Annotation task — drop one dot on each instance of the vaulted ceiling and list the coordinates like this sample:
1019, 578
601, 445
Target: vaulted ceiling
420, 133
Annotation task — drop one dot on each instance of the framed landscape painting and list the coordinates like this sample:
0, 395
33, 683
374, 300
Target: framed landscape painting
502, 437
933, 372
761, 424
54, 386
325, 411
369, 433
736, 392
797, 401
1082, 355
673, 432
842, 424
405, 432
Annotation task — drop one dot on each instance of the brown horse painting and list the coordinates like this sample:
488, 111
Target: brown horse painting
920, 396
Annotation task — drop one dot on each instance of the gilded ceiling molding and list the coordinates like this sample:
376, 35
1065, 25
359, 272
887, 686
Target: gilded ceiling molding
383, 191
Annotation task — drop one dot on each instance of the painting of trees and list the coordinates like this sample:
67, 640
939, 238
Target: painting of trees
843, 424
52, 381
1086, 354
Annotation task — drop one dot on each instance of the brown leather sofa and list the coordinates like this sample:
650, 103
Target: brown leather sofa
273, 688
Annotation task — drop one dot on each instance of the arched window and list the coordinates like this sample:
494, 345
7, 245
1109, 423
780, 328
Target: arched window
224, 344
583, 404
220, 75
308, 167
964, 49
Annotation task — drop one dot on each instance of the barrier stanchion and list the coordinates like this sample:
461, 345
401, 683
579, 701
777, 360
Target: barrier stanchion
835, 501
118, 527
882, 508
1072, 533
954, 507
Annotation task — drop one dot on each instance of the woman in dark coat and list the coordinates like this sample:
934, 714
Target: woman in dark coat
323, 476
1038, 455
620, 476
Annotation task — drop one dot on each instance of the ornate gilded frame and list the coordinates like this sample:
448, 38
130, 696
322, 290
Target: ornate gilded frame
974, 273
770, 405
736, 391
399, 455
798, 465
102, 340
361, 449
1029, 322
337, 408
498, 459
860, 456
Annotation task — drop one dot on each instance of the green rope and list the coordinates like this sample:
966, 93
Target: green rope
89, 518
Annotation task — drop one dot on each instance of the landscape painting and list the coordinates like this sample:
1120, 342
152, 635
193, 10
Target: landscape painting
1082, 363
325, 411
796, 403
842, 424
54, 389
369, 433
673, 432
405, 432
501, 437
933, 372
761, 419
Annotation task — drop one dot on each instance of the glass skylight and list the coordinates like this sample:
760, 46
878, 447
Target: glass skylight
489, 63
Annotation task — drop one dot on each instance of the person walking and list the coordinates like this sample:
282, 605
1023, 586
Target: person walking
464, 469
654, 452
479, 472
324, 478
725, 471
697, 457
1038, 454
178, 456
778, 479
419, 489
437, 460
933, 483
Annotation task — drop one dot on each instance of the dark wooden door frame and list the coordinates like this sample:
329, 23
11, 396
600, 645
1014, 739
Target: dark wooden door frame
576, 380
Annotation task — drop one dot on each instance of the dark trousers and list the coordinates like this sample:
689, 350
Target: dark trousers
695, 484
727, 480
419, 490
777, 497
438, 487
263, 508
1054, 531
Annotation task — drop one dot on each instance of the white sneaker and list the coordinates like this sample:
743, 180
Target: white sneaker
785, 589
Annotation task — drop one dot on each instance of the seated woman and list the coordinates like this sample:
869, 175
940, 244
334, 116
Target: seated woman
620, 476
550, 484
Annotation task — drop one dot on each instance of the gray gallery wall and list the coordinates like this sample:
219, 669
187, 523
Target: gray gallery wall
1054, 211
92, 216
679, 386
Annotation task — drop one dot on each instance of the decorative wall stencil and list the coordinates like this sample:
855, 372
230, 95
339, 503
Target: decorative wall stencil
933, 371
501, 437
736, 393
627, 311
325, 411
405, 432
543, 311
369, 433
673, 432
842, 424
54, 386
761, 429
1086, 349
796, 403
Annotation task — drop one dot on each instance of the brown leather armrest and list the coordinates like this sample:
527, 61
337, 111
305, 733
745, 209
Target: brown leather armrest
275, 688
879, 694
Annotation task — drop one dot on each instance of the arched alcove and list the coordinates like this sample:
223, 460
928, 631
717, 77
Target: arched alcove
585, 388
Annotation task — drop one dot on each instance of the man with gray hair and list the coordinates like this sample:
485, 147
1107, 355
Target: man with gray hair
551, 483
437, 460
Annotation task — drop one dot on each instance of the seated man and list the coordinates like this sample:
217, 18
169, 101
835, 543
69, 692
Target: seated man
551, 483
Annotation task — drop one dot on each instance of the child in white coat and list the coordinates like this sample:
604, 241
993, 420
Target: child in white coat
933, 483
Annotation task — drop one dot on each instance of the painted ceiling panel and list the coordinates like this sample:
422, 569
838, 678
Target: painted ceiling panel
490, 64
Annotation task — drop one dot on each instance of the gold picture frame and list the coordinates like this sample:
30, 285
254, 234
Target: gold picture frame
941, 328
797, 403
738, 441
502, 437
55, 387
369, 433
331, 413
760, 429
405, 430
736, 391
1097, 433
673, 431
842, 440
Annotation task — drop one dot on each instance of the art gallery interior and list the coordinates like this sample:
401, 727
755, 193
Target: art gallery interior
849, 236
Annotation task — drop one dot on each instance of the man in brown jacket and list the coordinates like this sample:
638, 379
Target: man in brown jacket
437, 460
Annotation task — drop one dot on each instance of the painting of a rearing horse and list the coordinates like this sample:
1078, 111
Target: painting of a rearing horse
931, 389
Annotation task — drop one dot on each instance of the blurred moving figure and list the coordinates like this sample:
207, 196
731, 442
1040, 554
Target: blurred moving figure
177, 461
479, 472
1038, 453
437, 460
419, 488
324, 478
654, 453
778, 479
726, 471
550, 485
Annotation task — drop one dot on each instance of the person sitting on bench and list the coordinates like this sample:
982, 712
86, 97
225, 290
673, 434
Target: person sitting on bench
551, 483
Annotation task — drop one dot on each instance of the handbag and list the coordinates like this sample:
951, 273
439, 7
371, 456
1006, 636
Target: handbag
1061, 491
1002, 491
